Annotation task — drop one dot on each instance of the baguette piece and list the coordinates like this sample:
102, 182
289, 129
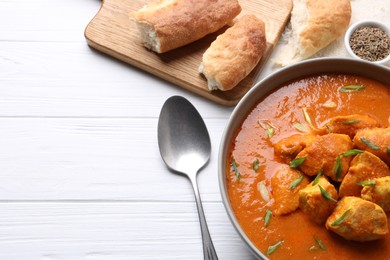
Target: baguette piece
168, 24
234, 54
314, 25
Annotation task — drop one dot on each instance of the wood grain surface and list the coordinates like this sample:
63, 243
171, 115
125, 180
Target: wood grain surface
112, 32
81, 174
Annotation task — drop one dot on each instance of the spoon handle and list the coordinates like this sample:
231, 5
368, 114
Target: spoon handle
209, 252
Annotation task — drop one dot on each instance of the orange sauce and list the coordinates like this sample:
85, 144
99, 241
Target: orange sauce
321, 98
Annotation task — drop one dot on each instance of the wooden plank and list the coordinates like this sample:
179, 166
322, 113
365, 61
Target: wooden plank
94, 159
26, 21
111, 32
33, 83
130, 230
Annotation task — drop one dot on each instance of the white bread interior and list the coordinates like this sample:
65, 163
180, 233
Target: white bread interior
212, 82
293, 51
149, 36
314, 25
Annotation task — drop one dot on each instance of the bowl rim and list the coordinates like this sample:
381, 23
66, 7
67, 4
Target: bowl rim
272, 82
357, 25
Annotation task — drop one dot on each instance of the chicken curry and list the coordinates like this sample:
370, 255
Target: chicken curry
308, 171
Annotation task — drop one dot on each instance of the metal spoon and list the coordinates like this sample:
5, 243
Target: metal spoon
185, 147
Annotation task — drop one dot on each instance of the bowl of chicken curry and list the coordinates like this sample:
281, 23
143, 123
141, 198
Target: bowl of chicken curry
304, 162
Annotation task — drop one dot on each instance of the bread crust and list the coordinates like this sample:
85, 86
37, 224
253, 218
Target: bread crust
327, 21
176, 23
234, 54
314, 25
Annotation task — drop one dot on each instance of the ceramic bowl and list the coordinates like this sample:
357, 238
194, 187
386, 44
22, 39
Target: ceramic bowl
357, 25
261, 90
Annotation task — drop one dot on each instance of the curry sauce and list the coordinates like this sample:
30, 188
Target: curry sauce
298, 105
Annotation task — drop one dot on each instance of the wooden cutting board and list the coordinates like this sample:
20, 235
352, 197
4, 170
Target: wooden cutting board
112, 32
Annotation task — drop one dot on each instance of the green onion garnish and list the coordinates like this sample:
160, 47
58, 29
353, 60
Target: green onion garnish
317, 179
256, 165
326, 195
297, 162
273, 248
351, 88
351, 121
369, 144
352, 152
267, 126
296, 182
307, 116
342, 218
320, 244
338, 167
267, 217
328, 128
270, 132
300, 127
235, 169
366, 183
388, 151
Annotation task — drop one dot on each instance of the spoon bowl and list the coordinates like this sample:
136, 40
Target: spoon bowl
185, 147
183, 138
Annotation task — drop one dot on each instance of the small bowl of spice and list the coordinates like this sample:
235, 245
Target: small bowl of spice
368, 40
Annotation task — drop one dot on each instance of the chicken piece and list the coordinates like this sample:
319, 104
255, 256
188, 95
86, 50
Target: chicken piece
324, 153
285, 184
379, 192
314, 204
288, 148
348, 125
364, 166
376, 141
358, 219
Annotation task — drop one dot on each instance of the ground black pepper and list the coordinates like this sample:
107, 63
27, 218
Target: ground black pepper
370, 43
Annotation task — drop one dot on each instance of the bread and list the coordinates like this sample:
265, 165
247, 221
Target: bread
168, 24
234, 54
314, 25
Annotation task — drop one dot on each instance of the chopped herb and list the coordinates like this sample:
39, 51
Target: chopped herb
328, 128
297, 162
296, 182
317, 179
369, 144
270, 132
352, 152
388, 151
351, 88
300, 127
351, 121
263, 191
326, 195
329, 104
320, 244
267, 217
338, 167
307, 117
341, 219
267, 126
236, 170
256, 165
273, 248
366, 183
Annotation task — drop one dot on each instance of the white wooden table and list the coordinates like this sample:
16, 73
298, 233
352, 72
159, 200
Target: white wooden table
80, 172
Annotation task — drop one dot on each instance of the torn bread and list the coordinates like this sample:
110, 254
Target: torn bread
168, 24
314, 25
234, 54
